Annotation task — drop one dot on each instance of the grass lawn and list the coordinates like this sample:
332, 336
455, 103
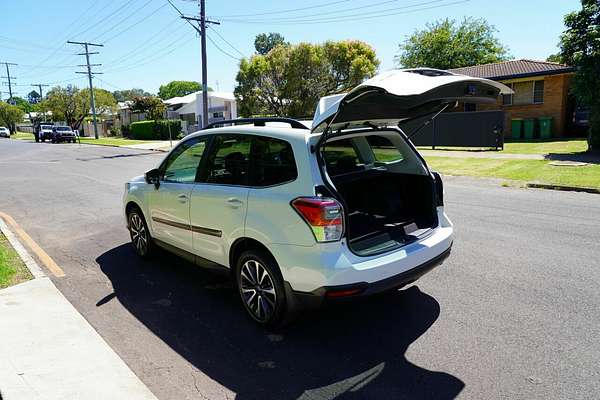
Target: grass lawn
521, 170
113, 141
556, 146
22, 135
12, 269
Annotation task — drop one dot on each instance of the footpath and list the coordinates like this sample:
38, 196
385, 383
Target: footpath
49, 351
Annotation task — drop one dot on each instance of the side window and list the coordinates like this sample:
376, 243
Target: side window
383, 149
182, 164
228, 160
273, 162
341, 157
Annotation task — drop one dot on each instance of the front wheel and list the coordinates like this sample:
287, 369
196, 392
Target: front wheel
261, 288
140, 236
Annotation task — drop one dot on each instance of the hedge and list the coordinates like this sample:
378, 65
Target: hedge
154, 130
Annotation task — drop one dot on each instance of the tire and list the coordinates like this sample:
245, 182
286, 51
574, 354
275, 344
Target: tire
43, 140
140, 235
263, 297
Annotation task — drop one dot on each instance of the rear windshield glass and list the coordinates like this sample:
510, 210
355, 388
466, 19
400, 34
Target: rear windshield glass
63, 128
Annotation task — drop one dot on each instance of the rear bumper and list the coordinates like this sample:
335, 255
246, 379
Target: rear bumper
327, 294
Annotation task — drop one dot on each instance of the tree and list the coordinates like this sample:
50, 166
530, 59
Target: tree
263, 43
10, 115
555, 58
73, 105
177, 89
290, 80
129, 94
34, 97
23, 104
151, 105
580, 47
446, 45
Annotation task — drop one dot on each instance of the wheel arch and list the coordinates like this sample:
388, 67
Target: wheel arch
246, 243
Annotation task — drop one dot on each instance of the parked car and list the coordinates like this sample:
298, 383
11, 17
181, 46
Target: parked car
45, 132
63, 134
302, 216
4, 132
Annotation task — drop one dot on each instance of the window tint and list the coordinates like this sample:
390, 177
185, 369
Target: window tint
228, 161
273, 162
383, 149
341, 157
182, 165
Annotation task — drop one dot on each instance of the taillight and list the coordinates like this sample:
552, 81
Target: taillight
325, 217
439, 188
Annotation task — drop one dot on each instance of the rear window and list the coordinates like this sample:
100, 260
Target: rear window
273, 162
383, 149
63, 128
341, 157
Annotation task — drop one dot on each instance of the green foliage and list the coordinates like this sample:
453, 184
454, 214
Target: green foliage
290, 80
446, 45
23, 104
177, 89
151, 105
555, 58
580, 47
264, 43
155, 130
72, 105
10, 115
129, 94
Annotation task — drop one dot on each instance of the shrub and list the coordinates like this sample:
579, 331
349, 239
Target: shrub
155, 130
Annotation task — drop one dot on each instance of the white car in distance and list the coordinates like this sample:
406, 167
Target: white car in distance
305, 216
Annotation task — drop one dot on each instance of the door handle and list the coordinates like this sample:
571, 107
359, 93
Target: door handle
233, 202
182, 198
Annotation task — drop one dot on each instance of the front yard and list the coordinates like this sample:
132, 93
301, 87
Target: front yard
104, 141
12, 269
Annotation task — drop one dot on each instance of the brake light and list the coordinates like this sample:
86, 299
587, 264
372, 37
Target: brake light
325, 217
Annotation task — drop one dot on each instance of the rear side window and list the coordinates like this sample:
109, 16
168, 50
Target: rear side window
228, 162
273, 162
383, 149
341, 157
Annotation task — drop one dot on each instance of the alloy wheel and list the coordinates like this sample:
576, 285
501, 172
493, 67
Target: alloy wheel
258, 290
139, 234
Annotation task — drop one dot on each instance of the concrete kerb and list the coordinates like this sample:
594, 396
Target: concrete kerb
29, 262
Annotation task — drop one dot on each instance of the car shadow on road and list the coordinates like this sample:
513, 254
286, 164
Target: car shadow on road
354, 350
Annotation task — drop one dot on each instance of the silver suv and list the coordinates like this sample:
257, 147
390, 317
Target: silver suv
305, 216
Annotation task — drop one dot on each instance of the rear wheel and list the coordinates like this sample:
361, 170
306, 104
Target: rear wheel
261, 288
140, 235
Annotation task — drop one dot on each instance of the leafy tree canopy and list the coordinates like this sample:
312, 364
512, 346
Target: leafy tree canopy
263, 43
10, 115
290, 80
445, 44
72, 104
580, 47
151, 105
33, 97
129, 94
177, 89
23, 104
555, 58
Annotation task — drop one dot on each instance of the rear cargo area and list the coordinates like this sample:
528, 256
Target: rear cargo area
388, 204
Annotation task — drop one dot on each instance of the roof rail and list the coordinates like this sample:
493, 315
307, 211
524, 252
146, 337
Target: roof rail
257, 122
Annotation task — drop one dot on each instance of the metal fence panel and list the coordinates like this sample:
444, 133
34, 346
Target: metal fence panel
460, 129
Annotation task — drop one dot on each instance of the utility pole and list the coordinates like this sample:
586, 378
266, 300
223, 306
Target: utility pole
202, 31
89, 74
9, 79
39, 86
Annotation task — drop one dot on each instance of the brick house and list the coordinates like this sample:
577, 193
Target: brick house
541, 90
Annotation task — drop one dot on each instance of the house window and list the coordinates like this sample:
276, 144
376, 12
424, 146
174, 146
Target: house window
528, 92
507, 99
218, 114
538, 92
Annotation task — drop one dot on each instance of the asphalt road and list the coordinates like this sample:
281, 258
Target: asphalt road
513, 314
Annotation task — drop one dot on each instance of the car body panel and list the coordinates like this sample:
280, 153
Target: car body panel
169, 211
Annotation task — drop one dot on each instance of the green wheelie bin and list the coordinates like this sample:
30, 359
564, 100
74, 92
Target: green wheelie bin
545, 127
528, 128
516, 127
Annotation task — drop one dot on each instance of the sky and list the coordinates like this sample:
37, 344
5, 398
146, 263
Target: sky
146, 43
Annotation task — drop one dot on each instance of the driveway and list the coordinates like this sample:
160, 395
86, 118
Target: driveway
512, 314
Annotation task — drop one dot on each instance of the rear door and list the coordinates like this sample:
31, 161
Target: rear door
220, 200
170, 202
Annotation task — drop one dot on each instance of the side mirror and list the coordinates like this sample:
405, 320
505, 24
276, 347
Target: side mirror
152, 177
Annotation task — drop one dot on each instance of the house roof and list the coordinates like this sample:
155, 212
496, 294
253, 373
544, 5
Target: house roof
514, 69
192, 97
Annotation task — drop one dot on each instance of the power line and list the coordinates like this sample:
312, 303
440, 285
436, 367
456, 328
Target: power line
90, 74
230, 45
39, 86
9, 79
134, 25
284, 11
221, 50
